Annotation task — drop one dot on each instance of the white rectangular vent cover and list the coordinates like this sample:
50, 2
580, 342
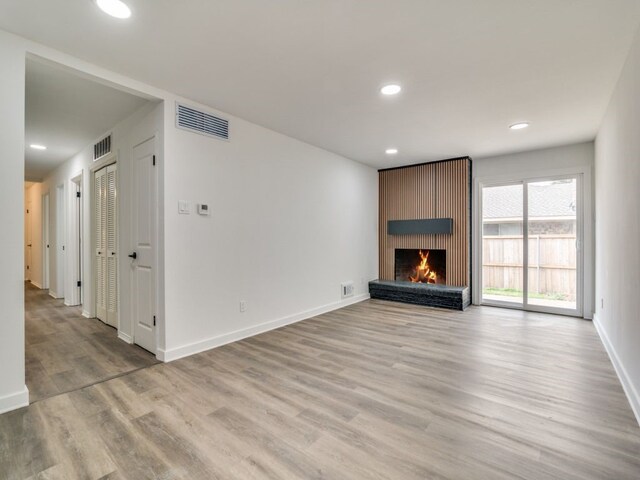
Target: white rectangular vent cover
102, 148
196, 121
347, 289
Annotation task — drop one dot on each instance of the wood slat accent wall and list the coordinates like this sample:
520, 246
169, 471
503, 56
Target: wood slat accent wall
431, 190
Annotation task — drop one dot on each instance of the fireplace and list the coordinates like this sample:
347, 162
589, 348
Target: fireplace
424, 265
421, 279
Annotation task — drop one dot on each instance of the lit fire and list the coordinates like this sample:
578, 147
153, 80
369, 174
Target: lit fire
423, 272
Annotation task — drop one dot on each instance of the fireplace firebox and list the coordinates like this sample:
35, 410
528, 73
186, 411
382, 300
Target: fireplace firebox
424, 265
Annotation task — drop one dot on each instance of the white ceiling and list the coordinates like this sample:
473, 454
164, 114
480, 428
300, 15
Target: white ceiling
312, 69
66, 112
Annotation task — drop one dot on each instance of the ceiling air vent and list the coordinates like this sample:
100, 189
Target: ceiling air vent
102, 148
196, 121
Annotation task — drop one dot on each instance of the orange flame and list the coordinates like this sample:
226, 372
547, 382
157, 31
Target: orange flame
423, 272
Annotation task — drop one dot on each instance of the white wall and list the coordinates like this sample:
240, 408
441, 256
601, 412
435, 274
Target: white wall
289, 222
618, 227
535, 162
13, 392
564, 160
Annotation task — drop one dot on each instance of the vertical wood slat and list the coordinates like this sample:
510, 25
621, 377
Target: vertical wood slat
436, 190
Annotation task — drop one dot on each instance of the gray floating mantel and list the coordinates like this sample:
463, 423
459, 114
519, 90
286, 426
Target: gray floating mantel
426, 226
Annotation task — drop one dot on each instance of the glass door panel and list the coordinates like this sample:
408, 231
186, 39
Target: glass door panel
552, 238
502, 244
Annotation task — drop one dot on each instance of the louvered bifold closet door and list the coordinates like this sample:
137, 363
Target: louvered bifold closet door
100, 215
111, 223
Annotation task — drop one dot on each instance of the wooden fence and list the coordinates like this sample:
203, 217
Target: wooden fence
552, 264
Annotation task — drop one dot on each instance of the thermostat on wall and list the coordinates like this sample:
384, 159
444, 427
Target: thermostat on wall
203, 209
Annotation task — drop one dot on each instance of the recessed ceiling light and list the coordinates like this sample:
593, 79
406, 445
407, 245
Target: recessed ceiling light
391, 89
519, 126
37, 147
391, 151
115, 8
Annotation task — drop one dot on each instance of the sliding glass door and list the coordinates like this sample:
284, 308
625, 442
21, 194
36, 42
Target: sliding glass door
502, 244
531, 238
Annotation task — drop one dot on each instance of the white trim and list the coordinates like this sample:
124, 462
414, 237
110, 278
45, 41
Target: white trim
125, 338
201, 346
86, 314
14, 400
625, 379
36, 284
54, 295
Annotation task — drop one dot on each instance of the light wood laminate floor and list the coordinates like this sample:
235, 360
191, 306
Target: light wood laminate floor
376, 390
65, 351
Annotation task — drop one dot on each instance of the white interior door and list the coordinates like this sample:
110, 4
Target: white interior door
106, 235
78, 294
143, 259
28, 242
100, 216
60, 242
111, 244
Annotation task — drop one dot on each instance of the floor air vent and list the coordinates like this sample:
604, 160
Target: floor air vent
102, 148
196, 121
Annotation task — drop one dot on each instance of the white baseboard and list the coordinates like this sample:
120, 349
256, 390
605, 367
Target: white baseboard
125, 338
15, 400
220, 340
36, 284
625, 380
86, 314
53, 294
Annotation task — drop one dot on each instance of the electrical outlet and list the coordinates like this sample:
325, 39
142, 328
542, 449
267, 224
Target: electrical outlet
243, 305
347, 289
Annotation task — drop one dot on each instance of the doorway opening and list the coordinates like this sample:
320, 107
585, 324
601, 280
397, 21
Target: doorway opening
74, 187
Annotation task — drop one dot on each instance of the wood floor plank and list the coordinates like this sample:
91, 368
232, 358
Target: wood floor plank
377, 390
65, 351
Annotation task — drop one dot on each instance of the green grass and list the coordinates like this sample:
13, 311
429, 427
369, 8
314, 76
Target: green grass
512, 292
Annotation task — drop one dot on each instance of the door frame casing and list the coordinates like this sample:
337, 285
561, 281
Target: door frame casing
586, 260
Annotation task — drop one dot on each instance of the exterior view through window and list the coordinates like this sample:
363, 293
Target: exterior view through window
531, 227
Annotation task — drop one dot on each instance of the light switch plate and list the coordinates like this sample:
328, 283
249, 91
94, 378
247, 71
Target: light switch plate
183, 207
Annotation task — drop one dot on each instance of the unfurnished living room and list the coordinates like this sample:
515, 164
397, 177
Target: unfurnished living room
336, 239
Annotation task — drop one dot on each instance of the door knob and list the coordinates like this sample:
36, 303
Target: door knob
134, 255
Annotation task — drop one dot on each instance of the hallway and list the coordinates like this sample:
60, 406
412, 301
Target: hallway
65, 351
